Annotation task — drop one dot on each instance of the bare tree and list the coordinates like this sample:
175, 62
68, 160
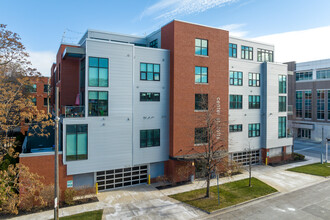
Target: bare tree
211, 148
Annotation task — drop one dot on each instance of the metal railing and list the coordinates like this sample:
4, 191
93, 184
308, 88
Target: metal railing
74, 111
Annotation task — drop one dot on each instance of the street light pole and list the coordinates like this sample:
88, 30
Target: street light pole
326, 149
56, 196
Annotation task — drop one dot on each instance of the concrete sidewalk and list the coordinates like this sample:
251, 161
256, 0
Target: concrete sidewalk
147, 202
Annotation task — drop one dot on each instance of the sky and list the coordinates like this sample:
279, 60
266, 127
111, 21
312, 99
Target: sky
299, 29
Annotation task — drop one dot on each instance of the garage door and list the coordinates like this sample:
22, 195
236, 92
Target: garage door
111, 179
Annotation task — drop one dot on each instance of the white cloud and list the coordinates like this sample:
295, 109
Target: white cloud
168, 9
300, 46
42, 61
235, 30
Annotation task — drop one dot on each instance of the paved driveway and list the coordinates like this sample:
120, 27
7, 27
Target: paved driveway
310, 148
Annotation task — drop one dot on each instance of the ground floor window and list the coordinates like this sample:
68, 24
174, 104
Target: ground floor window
76, 142
304, 133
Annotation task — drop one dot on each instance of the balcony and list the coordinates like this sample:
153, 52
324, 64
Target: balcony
74, 111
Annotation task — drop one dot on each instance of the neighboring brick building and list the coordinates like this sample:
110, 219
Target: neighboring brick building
40, 94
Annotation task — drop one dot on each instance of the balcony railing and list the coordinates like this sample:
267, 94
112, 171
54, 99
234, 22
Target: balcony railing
74, 111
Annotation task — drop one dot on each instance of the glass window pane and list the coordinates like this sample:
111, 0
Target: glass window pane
156, 76
197, 78
82, 143
103, 62
204, 79
156, 68
143, 76
93, 62
204, 51
197, 70
92, 95
198, 42
93, 76
71, 143
103, 77
150, 76
198, 50
150, 67
204, 43
143, 67
103, 95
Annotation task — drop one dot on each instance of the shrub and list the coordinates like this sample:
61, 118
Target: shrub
85, 191
47, 195
69, 194
297, 156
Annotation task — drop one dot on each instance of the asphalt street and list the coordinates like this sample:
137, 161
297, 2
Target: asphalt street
310, 203
312, 149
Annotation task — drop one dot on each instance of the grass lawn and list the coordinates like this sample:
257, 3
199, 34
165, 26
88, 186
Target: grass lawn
230, 194
314, 169
93, 215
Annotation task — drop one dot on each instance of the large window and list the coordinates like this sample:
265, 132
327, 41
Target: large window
304, 76
200, 135
150, 138
235, 128
201, 74
232, 50
320, 104
98, 72
154, 43
150, 96
76, 142
323, 74
254, 79
299, 104
254, 102
235, 101
282, 84
281, 127
235, 78
97, 103
254, 130
265, 55
247, 53
149, 71
201, 47
282, 103
304, 133
45, 88
308, 104
201, 101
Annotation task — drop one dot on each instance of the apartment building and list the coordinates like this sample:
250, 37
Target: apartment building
129, 104
257, 103
310, 98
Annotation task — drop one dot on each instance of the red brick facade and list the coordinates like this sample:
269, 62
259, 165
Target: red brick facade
65, 75
44, 166
179, 38
276, 159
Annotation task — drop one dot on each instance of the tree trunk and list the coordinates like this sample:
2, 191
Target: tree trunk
208, 185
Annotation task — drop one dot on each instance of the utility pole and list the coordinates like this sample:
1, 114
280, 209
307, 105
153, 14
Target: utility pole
56, 196
326, 149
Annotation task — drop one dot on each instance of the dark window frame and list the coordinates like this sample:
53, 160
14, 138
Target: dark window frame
150, 96
199, 106
98, 71
232, 50
201, 135
235, 75
154, 139
154, 43
248, 55
254, 101
236, 128
235, 101
98, 104
282, 104
147, 71
254, 79
200, 74
76, 132
201, 47
261, 55
254, 130
282, 127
